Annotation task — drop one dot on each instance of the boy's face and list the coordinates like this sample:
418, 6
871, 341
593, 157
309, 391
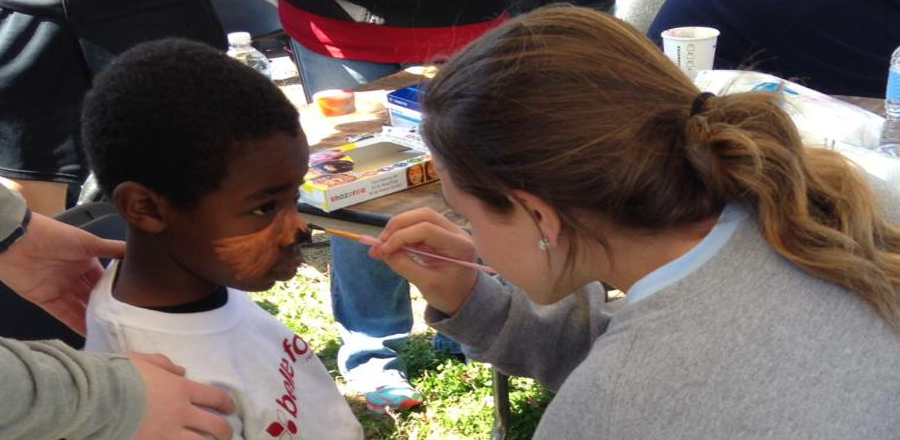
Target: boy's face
258, 192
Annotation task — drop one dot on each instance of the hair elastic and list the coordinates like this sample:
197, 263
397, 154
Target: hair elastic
699, 102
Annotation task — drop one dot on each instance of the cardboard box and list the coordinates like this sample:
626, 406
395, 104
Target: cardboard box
404, 107
371, 167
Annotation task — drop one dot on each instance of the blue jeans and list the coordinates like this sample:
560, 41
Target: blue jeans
372, 307
320, 72
370, 302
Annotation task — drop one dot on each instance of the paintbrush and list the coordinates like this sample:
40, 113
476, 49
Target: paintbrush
368, 240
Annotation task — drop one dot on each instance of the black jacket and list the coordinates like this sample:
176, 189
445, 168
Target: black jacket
50, 51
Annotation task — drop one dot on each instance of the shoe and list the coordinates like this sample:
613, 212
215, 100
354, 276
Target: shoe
393, 398
443, 344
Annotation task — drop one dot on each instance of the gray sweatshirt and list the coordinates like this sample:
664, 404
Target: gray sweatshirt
747, 346
51, 391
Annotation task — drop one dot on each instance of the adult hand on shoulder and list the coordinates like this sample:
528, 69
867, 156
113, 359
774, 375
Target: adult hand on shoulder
178, 408
444, 285
55, 266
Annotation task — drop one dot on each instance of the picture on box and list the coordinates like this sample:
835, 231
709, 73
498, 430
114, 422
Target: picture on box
415, 175
430, 171
333, 180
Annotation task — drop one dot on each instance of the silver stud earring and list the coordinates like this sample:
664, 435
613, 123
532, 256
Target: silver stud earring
544, 244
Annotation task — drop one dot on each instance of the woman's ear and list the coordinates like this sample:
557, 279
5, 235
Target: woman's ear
543, 214
141, 207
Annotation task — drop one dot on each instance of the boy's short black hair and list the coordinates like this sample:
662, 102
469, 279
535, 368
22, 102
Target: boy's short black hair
171, 114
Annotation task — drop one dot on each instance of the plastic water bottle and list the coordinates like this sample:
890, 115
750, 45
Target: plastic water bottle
890, 132
240, 49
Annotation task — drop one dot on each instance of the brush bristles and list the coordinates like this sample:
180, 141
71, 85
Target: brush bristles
316, 227
336, 232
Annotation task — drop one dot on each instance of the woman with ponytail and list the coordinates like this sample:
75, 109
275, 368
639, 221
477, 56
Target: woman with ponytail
760, 275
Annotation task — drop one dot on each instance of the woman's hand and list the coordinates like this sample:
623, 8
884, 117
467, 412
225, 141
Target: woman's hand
444, 285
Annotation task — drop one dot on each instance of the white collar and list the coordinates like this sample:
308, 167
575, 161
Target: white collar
211, 321
730, 219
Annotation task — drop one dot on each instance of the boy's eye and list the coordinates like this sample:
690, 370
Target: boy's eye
265, 209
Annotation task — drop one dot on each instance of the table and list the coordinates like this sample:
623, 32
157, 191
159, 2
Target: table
873, 105
323, 133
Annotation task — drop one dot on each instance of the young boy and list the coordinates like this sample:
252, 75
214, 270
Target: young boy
203, 158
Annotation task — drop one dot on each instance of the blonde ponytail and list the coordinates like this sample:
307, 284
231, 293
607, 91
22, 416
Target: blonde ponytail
815, 207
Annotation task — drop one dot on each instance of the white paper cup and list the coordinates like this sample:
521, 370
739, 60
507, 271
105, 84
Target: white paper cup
692, 48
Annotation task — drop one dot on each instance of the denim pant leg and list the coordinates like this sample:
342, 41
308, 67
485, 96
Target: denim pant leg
371, 304
443, 344
319, 72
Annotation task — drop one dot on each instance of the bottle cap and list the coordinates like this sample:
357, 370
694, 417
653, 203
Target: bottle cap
239, 38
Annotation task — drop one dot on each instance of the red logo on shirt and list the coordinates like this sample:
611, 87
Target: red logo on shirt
286, 427
283, 429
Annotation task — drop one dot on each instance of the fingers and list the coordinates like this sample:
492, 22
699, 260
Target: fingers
160, 361
212, 398
209, 423
69, 242
419, 215
191, 435
102, 248
178, 408
432, 236
91, 276
408, 268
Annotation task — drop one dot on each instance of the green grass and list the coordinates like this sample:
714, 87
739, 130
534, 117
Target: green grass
458, 396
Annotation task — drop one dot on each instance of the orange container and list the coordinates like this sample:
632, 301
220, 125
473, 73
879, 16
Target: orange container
335, 102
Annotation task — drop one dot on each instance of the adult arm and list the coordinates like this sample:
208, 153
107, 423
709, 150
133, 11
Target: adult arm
500, 325
52, 391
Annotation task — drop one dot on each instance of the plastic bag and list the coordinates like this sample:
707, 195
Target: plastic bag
823, 121
820, 118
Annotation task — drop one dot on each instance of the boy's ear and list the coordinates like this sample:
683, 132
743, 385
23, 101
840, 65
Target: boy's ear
141, 207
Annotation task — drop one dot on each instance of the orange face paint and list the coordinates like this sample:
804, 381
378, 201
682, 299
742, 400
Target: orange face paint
252, 255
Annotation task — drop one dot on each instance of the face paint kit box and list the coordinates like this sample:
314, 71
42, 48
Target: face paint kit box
373, 166
404, 108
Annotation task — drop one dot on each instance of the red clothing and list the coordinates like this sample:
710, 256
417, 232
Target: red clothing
377, 43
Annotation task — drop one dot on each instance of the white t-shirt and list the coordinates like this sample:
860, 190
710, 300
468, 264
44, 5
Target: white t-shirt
281, 388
